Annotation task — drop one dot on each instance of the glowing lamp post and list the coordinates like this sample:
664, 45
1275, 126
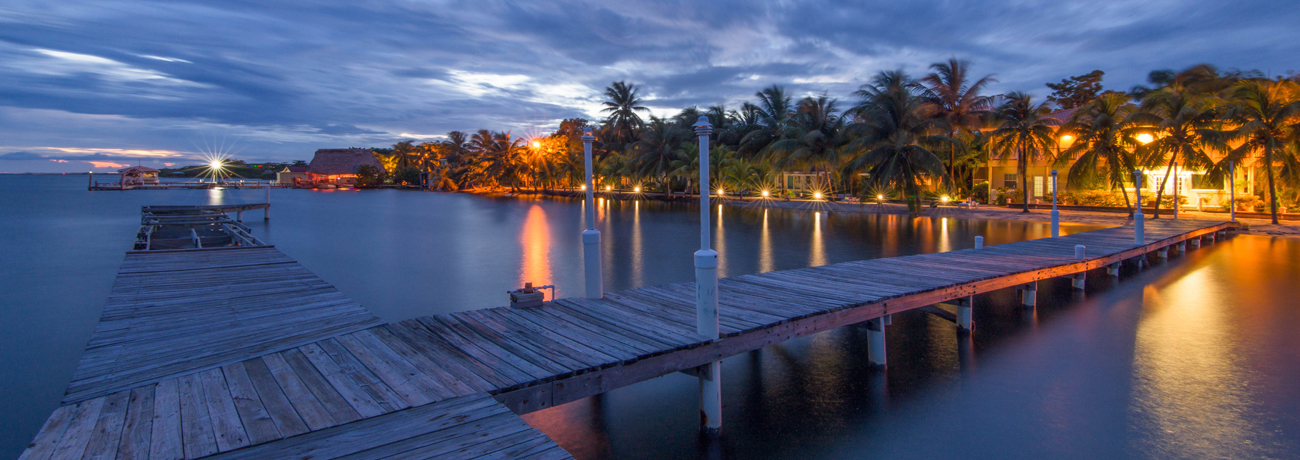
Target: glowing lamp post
1056, 215
591, 236
706, 294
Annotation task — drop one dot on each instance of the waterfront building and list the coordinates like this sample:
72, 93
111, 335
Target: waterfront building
338, 167
291, 175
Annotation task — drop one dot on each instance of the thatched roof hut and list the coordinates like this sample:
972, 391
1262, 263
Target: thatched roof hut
339, 162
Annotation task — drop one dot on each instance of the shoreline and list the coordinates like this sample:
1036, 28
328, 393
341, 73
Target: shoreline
1251, 226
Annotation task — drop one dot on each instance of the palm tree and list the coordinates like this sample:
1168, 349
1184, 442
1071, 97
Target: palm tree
958, 102
1185, 125
774, 113
1025, 131
1267, 115
623, 103
815, 147
658, 144
1106, 140
895, 135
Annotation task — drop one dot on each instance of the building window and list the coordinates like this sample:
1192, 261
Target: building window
1038, 185
1009, 180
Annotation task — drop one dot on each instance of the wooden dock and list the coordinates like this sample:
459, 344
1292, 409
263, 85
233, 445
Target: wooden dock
241, 353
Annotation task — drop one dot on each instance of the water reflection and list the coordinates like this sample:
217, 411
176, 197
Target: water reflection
765, 260
535, 239
817, 250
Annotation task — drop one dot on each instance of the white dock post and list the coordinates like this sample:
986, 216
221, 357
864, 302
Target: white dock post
1196, 242
979, 242
964, 312
876, 341
1029, 294
1079, 278
266, 215
706, 294
1113, 269
1163, 253
1232, 192
591, 236
1056, 215
1138, 224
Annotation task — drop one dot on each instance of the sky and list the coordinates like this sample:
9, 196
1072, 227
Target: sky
96, 85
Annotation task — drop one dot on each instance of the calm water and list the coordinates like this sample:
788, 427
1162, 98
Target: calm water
1194, 359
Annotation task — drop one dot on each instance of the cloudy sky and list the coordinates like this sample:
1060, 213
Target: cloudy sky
96, 84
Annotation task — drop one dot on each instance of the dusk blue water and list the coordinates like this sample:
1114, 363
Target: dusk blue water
1196, 358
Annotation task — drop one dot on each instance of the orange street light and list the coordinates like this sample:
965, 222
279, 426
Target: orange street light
1145, 138
817, 195
636, 189
766, 194
537, 144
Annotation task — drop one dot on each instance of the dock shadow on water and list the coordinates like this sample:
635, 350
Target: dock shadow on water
1192, 358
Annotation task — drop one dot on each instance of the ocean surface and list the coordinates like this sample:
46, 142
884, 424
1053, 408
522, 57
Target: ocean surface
1193, 358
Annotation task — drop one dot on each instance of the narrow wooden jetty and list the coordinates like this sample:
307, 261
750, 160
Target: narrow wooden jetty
195, 227
201, 370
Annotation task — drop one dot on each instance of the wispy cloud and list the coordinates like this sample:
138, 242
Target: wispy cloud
155, 75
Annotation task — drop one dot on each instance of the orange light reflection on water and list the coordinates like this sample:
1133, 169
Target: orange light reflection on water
535, 239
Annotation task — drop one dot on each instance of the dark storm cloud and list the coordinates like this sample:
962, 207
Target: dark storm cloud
288, 77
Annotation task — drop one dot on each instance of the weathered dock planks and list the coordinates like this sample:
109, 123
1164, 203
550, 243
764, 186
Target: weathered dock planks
175, 312
341, 385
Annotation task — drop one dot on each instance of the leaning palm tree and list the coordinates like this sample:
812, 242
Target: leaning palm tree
623, 103
1267, 115
895, 137
1106, 141
1025, 131
957, 100
1185, 126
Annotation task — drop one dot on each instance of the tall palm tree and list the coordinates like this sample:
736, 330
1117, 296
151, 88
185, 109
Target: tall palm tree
1106, 140
958, 100
895, 136
1185, 125
1267, 115
1025, 131
775, 114
622, 102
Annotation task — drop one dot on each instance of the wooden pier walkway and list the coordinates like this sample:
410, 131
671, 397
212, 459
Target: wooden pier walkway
179, 370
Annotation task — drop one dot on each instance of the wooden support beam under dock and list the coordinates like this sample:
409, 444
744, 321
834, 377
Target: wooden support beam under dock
302, 375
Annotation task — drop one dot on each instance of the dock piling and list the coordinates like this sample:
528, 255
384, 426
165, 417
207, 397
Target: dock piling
1029, 294
1078, 280
266, 213
876, 342
979, 242
964, 313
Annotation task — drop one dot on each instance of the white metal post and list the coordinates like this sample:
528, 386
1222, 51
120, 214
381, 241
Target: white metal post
706, 293
876, 342
1232, 193
1138, 225
1056, 215
964, 313
979, 242
1029, 294
1177, 179
591, 236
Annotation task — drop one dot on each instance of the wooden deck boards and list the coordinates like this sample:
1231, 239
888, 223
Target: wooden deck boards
171, 313
341, 384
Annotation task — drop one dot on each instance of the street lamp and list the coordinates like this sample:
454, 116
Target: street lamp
706, 294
